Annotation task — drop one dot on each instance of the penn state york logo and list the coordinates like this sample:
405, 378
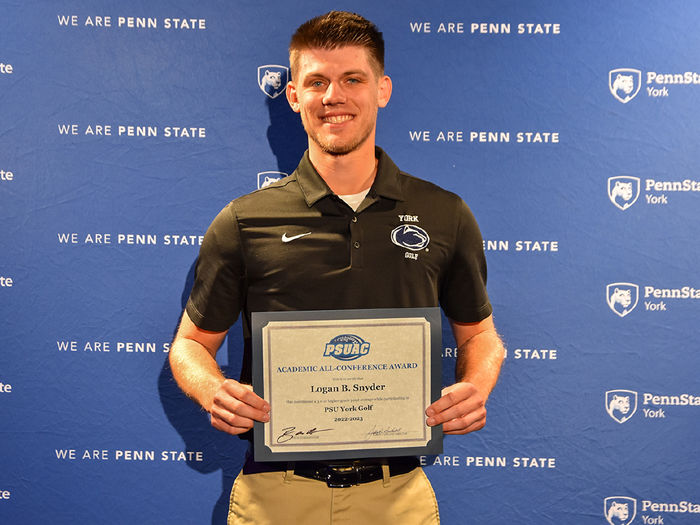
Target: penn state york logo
621, 404
410, 237
346, 347
265, 178
620, 510
623, 191
622, 297
272, 79
624, 83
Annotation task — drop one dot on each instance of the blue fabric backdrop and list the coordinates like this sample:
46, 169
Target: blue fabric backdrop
570, 128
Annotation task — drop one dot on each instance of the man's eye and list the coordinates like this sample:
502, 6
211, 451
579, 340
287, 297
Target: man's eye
353, 80
316, 83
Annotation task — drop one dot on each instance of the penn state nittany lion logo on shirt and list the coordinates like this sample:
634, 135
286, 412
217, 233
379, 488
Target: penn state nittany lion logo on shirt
265, 178
623, 191
620, 510
410, 236
272, 79
621, 404
622, 298
624, 83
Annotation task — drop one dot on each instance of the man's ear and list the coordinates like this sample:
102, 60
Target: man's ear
384, 88
291, 92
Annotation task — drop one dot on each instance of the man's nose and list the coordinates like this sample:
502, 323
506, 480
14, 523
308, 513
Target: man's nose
334, 94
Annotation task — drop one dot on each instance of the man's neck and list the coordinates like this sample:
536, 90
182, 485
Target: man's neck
346, 174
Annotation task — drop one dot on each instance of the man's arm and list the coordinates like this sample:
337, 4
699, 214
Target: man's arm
461, 409
232, 405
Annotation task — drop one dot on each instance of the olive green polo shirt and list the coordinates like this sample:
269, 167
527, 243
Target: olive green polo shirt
294, 245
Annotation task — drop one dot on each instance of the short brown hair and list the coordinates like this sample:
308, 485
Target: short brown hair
336, 29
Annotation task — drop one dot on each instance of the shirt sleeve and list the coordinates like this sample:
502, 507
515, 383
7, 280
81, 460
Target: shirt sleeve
216, 298
463, 294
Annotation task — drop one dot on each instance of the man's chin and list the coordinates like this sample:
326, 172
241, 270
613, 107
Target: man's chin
338, 152
339, 149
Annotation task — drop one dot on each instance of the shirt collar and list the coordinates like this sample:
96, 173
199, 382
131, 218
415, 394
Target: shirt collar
386, 183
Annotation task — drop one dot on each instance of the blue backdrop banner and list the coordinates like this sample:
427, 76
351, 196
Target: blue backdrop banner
568, 127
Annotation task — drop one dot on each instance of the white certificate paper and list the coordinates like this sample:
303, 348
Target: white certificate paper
346, 383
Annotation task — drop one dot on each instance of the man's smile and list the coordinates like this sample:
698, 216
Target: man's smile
337, 119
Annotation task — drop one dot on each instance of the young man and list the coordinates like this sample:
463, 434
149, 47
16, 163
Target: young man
325, 238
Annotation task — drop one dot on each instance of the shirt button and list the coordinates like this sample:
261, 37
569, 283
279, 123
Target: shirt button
356, 244
354, 219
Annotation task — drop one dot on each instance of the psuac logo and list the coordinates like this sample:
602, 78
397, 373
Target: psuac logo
621, 404
410, 237
265, 178
620, 510
624, 83
272, 79
346, 347
622, 297
623, 191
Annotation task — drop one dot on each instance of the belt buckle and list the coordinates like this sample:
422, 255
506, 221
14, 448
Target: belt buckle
340, 479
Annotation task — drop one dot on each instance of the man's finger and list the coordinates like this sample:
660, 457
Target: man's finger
246, 395
459, 410
225, 404
235, 429
451, 396
464, 425
442, 404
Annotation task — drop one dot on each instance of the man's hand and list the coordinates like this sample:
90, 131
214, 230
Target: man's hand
461, 409
235, 407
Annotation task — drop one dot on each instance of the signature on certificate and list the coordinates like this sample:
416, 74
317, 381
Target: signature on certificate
378, 431
289, 433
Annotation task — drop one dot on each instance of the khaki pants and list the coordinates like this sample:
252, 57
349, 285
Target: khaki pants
272, 498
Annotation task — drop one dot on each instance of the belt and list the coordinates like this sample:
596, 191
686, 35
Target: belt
346, 475
339, 474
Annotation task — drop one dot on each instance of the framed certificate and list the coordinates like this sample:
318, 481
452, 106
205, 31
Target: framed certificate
347, 384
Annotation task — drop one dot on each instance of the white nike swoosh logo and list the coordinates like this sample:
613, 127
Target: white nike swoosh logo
294, 237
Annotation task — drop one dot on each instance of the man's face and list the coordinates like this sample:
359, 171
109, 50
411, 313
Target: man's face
337, 93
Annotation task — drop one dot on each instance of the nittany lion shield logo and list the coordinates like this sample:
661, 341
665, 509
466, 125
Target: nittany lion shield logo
620, 510
621, 404
624, 83
272, 79
410, 236
265, 178
622, 297
623, 191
